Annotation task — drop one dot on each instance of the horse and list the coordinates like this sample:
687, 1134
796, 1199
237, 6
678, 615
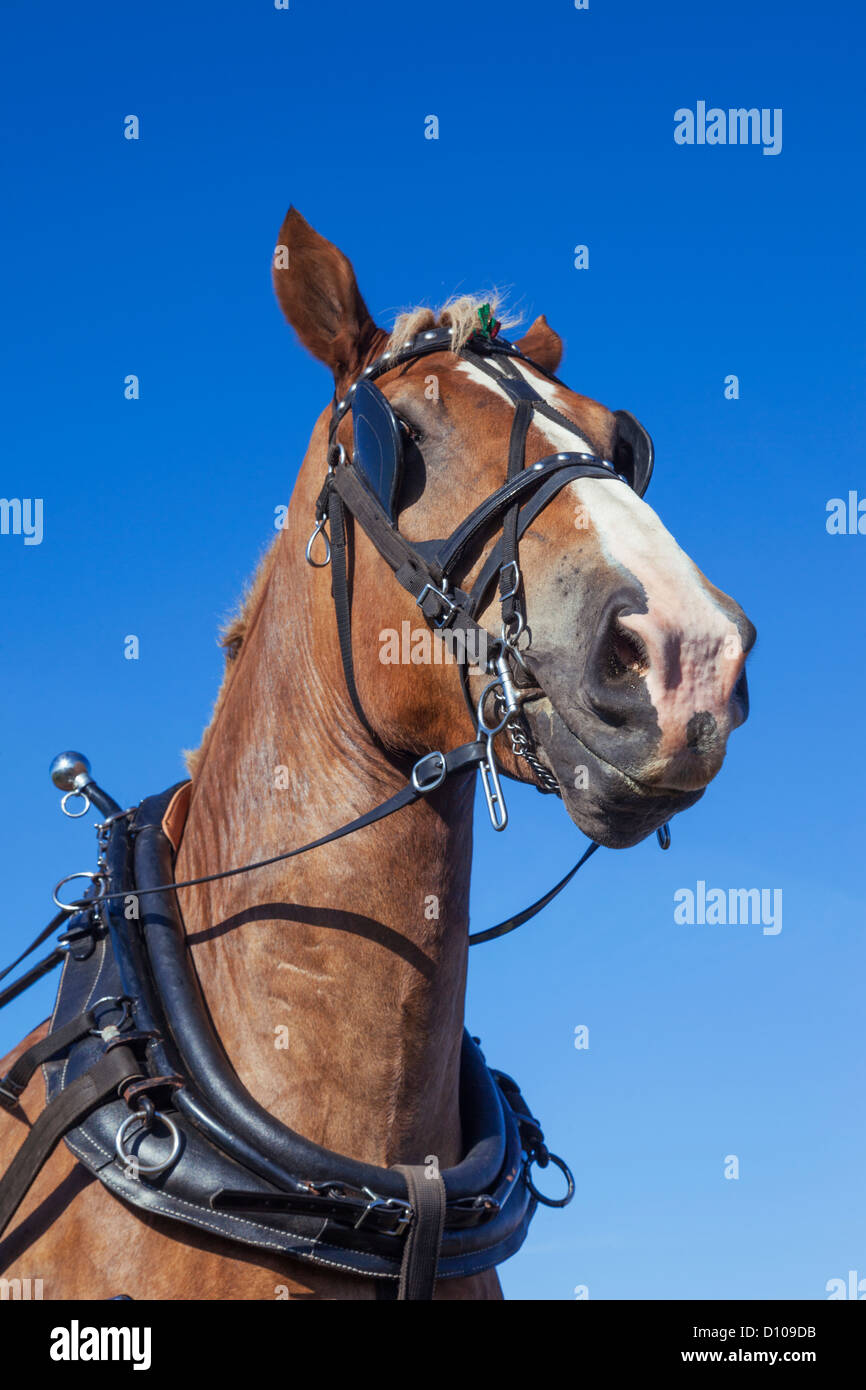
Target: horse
336, 980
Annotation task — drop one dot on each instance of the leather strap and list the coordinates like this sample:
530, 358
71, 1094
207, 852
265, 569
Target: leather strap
343, 602
461, 759
35, 973
16, 1079
54, 925
62, 1114
512, 923
424, 1240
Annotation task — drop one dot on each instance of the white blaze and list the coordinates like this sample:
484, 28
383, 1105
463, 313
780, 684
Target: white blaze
692, 644
561, 439
694, 648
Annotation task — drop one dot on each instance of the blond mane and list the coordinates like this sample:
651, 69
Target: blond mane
460, 314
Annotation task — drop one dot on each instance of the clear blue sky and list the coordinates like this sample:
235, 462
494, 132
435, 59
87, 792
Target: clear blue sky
556, 128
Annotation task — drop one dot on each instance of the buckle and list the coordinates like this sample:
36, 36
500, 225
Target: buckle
428, 782
442, 619
513, 569
382, 1204
9, 1093
404, 1220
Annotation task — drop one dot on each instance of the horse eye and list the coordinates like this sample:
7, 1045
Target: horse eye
411, 431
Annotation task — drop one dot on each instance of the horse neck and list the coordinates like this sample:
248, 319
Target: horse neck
336, 981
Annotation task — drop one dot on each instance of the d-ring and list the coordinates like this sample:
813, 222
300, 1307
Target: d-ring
79, 904
129, 1159
75, 815
563, 1167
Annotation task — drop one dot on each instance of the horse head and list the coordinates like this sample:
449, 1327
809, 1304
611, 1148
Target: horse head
630, 664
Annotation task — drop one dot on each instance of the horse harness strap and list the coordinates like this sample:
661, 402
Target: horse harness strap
421, 1256
70, 1108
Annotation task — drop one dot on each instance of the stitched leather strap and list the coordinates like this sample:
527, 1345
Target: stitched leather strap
424, 1240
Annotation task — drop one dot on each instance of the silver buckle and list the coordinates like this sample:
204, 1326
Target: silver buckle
396, 1204
515, 585
434, 779
442, 620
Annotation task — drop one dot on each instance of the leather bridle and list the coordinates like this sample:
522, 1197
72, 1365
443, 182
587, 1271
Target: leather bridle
366, 486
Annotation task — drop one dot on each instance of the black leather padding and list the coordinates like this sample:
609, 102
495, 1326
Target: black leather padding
232, 1146
378, 443
633, 451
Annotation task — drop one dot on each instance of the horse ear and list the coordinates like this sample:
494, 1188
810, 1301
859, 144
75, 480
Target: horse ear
542, 345
319, 295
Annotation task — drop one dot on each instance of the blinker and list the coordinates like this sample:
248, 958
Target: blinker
378, 444
633, 452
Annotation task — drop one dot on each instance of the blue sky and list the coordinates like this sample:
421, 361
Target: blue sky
556, 129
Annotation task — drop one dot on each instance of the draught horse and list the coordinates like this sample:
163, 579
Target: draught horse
637, 679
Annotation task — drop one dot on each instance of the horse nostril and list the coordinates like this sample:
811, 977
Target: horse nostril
626, 654
740, 698
701, 732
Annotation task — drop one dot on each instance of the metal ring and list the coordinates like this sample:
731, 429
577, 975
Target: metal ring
129, 1159
80, 904
482, 726
117, 1001
75, 815
563, 1167
510, 639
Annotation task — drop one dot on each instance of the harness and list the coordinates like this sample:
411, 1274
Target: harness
137, 1082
